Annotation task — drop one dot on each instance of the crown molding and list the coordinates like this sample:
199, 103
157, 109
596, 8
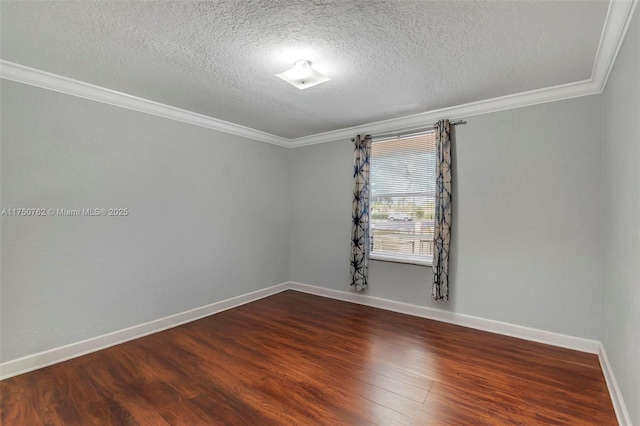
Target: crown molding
615, 27
46, 80
426, 119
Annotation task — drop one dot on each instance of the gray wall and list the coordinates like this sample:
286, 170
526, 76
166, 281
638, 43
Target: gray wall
545, 196
526, 229
209, 218
621, 202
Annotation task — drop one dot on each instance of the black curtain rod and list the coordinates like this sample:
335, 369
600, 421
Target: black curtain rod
413, 132
455, 122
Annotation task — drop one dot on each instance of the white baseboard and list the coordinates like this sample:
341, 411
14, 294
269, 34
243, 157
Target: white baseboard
624, 418
63, 353
499, 327
74, 350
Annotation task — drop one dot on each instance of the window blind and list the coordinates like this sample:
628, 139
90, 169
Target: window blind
402, 196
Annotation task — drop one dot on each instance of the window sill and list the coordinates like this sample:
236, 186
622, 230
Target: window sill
401, 259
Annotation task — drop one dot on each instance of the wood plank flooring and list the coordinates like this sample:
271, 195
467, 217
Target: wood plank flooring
294, 358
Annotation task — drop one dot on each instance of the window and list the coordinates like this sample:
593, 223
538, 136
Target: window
402, 199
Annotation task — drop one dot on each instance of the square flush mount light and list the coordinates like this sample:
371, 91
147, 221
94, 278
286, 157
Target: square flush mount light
302, 75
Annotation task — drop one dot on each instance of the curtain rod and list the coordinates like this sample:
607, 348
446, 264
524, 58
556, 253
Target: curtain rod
454, 122
387, 136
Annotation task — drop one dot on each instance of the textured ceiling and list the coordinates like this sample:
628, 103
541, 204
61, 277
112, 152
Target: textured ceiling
386, 59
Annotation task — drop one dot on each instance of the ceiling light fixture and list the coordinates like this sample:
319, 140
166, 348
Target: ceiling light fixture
302, 75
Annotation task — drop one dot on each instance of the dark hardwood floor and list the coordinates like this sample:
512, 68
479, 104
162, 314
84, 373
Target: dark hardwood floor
294, 358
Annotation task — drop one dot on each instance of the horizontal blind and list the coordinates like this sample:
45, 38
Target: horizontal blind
402, 196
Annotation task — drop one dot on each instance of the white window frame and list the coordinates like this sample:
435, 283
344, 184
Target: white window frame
407, 258
396, 258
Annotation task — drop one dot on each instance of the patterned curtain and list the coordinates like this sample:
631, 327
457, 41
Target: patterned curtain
360, 213
442, 222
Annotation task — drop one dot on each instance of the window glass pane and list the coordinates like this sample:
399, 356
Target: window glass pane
402, 196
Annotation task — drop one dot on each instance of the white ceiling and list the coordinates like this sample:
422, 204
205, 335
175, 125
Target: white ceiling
386, 59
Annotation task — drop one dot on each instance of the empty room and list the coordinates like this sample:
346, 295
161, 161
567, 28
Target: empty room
345, 212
